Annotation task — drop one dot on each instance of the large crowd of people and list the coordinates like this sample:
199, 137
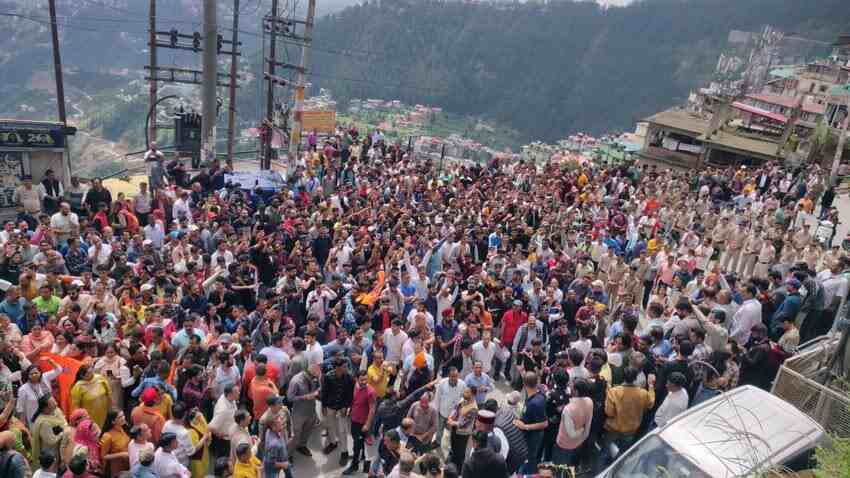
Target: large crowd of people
475, 320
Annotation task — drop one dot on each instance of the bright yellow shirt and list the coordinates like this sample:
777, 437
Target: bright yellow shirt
378, 379
251, 469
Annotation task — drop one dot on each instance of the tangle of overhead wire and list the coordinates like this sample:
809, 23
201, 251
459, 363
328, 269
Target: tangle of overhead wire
388, 85
77, 20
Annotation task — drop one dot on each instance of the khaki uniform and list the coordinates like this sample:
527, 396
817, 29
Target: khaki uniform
616, 270
752, 247
811, 255
800, 240
719, 235
637, 284
735, 244
709, 222
765, 258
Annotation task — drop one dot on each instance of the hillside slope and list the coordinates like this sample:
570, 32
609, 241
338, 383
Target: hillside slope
547, 70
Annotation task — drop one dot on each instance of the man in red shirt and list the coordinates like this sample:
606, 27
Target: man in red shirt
272, 372
362, 413
262, 387
511, 322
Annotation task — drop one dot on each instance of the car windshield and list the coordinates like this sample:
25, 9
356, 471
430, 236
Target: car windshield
653, 457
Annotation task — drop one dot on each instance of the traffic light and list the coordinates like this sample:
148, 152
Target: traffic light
196, 41
173, 37
220, 43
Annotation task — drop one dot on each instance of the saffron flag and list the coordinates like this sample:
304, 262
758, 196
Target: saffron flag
172, 373
65, 380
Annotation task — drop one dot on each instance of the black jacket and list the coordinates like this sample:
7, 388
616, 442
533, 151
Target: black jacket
337, 392
485, 462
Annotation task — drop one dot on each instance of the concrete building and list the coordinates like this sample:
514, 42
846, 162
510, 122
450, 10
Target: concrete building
679, 138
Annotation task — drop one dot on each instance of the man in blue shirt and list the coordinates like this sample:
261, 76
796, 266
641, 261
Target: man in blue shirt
533, 422
14, 306
788, 308
480, 382
159, 380
341, 344
181, 339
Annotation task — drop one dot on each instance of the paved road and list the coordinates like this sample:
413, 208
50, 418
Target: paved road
327, 466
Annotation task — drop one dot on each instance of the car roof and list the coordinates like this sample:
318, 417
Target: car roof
740, 431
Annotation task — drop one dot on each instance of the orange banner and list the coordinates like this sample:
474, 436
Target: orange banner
65, 380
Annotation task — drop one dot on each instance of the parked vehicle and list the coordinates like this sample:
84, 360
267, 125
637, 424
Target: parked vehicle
736, 434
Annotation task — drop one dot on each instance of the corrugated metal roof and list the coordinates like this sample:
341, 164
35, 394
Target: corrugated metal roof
681, 120
760, 112
784, 72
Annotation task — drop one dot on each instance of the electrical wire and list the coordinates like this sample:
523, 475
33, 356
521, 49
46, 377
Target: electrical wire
64, 21
388, 85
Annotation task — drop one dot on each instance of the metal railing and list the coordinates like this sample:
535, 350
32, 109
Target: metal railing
801, 382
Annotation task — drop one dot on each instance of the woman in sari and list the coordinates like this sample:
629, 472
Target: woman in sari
50, 431
200, 462
92, 393
87, 437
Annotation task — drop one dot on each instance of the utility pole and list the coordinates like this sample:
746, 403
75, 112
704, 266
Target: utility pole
153, 85
57, 63
209, 98
231, 105
60, 89
306, 50
266, 162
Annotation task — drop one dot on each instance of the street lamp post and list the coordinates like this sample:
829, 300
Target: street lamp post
148, 119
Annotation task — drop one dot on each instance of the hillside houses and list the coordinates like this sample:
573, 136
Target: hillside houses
772, 121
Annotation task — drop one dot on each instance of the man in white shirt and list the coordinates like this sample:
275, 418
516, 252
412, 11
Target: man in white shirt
676, 401
449, 392
748, 315
165, 463
394, 340
29, 197
99, 252
178, 426
276, 355
224, 413
318, 299
180, 209
155, 233
64, 223
484, 350
313, 351
221, 251
153, 154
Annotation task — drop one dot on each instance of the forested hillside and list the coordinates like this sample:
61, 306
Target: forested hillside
547, 70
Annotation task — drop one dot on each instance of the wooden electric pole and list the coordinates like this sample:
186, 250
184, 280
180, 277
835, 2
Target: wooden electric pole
57, 63
209, 97
266, 161
306, 50
231, 106
60, 90
153, 84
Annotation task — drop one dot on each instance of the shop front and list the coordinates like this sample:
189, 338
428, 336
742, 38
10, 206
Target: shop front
28, 149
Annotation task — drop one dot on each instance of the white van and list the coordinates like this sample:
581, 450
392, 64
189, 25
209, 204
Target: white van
736, 434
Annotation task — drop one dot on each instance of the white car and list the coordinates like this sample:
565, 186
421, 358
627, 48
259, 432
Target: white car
736, 434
